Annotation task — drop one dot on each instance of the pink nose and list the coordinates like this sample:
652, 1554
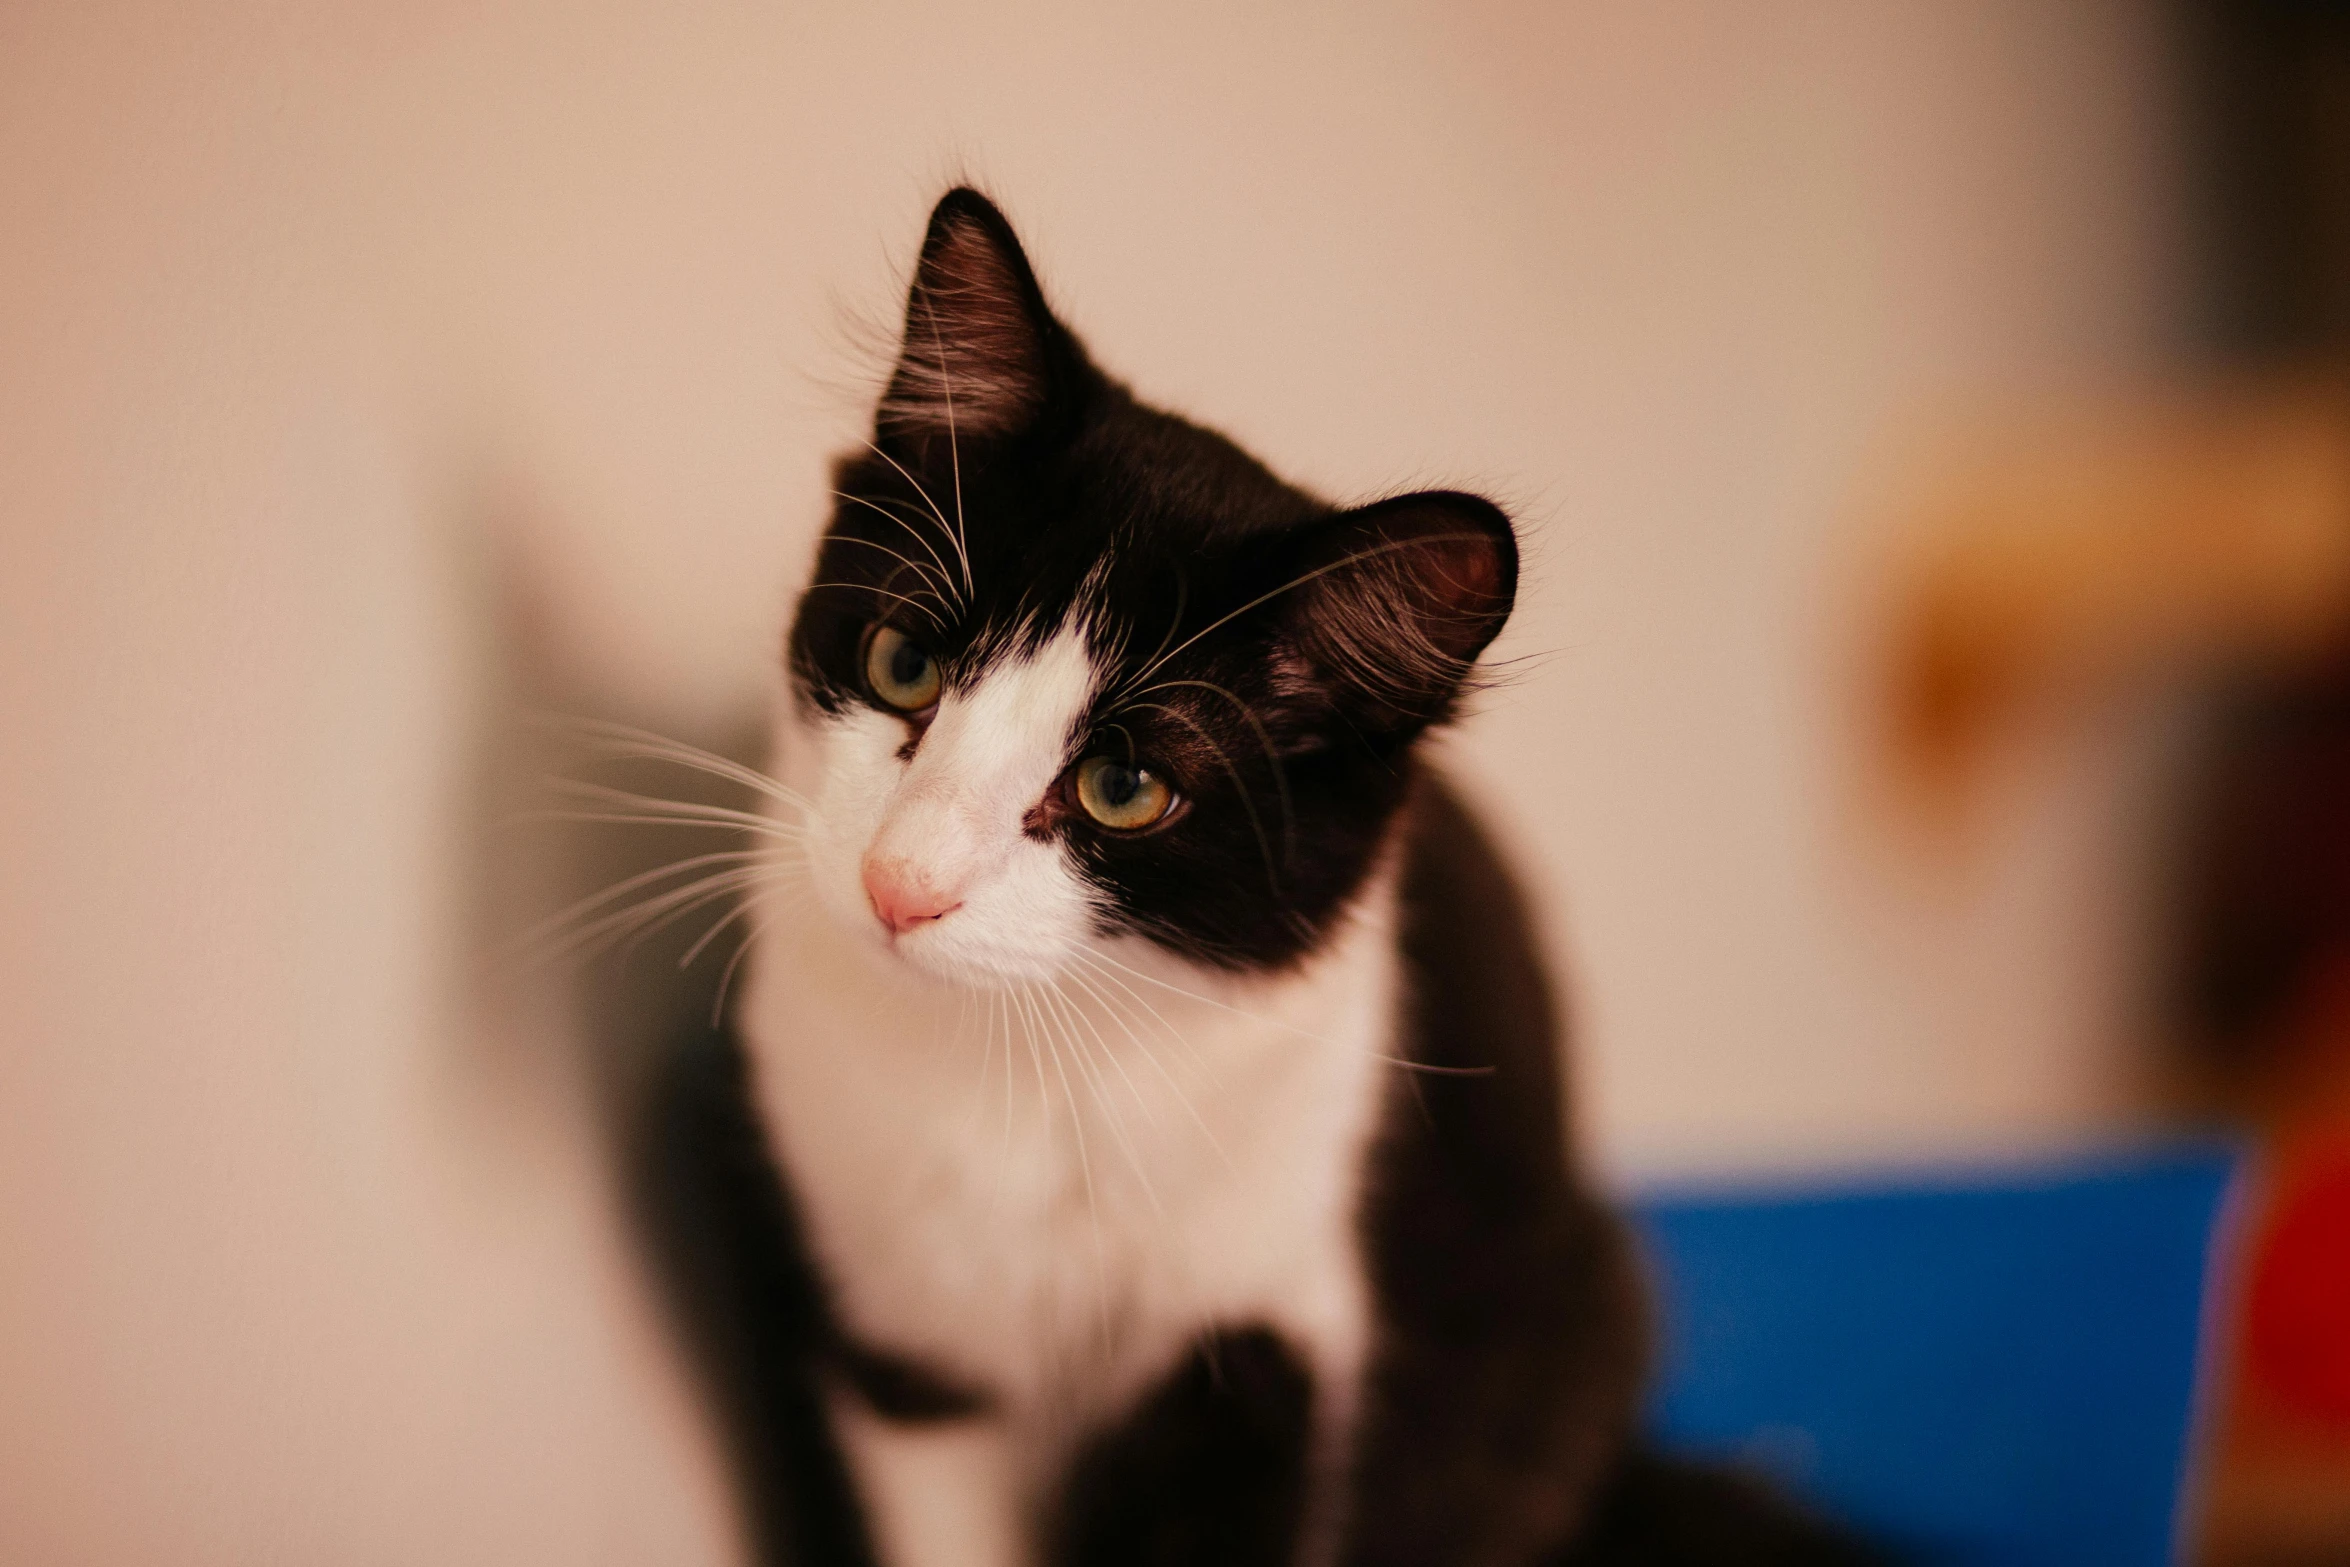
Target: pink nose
903, 901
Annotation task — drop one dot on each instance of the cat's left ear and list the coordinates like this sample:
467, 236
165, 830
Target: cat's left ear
1397, 601
983, 356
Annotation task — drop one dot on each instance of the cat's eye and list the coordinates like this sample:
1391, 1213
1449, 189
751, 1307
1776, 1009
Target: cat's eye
899, 671
1120, 795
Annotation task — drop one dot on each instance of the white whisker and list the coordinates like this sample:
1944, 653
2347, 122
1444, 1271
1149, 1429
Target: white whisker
640, 920
726, 974
740, 909
1141, 1100
946, 377
998, 1003
1394, 1061
1194, 995
1174, 1035
937, 587
1085, 1169
963, 999
1182, 1098
944, 575
677, 812
589, 904
962, 548
1090, 1070
622, 741
648, 819
867, 587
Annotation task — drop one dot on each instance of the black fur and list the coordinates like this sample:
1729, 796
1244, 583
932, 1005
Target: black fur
1274, 657
1511, 1347
904, 1390
1211, 1468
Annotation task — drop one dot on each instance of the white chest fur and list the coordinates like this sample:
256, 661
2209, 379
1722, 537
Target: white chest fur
1053, 1190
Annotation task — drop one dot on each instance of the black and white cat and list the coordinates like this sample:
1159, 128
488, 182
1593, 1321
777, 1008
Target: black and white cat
1158, 1065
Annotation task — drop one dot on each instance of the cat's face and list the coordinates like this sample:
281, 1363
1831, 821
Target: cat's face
1070, 669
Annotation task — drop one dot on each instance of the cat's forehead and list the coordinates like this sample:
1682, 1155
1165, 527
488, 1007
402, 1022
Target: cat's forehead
1139, 522
1151, 496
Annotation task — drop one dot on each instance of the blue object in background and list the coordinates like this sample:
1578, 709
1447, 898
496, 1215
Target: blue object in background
1986, 1368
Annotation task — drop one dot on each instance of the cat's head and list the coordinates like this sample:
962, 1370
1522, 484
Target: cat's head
1071, 669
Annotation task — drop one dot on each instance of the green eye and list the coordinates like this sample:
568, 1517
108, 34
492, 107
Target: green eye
1119, 795
901, 674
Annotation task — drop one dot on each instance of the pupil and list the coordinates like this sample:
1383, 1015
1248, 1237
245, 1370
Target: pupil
907, 663
1119, 784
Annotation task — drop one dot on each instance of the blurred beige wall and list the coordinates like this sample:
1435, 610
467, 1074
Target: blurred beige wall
317, 324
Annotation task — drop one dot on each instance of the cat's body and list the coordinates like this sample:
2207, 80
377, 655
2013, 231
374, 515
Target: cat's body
1050, 1228
1159, 1068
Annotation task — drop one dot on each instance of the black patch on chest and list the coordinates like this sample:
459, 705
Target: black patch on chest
1210, 1469
905, 1390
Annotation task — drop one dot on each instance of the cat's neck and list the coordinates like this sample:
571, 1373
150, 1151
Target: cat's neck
999, 1179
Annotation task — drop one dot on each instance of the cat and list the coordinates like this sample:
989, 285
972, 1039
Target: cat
1140, 1137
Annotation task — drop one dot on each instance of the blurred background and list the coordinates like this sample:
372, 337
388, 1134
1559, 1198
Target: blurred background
1931, 741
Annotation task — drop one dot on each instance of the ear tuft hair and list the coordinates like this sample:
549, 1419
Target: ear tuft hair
977, 355
1404, 595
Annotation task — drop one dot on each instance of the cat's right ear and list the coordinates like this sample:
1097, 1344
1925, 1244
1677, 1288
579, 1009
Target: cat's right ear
1394, 601
982, 355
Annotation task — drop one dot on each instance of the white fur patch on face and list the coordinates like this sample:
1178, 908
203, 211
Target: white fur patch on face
950, 819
